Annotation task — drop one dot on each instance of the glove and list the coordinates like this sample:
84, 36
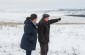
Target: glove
59, 19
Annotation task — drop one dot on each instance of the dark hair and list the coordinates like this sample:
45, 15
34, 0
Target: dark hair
33, 16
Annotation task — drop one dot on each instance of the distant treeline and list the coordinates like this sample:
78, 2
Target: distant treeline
77, 15
71, 10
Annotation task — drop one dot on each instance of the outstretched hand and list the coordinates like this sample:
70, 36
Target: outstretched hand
59, 19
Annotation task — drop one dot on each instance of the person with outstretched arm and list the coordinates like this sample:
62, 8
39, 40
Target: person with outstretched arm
43, 32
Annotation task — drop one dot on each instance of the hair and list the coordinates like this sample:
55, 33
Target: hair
33, 16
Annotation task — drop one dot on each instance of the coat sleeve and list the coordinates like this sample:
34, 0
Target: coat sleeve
54, 20
28, 32
40, 32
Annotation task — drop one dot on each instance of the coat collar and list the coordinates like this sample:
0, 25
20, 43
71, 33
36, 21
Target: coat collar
28, 21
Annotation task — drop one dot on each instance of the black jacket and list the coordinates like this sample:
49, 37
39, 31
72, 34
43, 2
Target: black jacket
44, 29
29, 38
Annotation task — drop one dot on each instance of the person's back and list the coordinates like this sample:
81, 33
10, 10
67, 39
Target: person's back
43, 32
44, 28
29, 38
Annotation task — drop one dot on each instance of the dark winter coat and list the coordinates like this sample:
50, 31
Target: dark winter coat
29, 38
44, 29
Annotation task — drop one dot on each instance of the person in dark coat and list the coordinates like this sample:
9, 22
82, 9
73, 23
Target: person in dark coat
43, 32
29, 38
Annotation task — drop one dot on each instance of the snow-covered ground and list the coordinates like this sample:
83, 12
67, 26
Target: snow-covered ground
64, 39
19, 16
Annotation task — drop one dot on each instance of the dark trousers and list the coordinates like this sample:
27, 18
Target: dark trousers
28, 52
44, 48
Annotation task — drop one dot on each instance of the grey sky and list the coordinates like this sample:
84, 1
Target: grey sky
41, 4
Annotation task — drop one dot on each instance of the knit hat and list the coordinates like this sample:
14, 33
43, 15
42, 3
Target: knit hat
46, 15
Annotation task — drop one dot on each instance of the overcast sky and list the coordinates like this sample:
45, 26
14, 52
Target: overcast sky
41, 4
